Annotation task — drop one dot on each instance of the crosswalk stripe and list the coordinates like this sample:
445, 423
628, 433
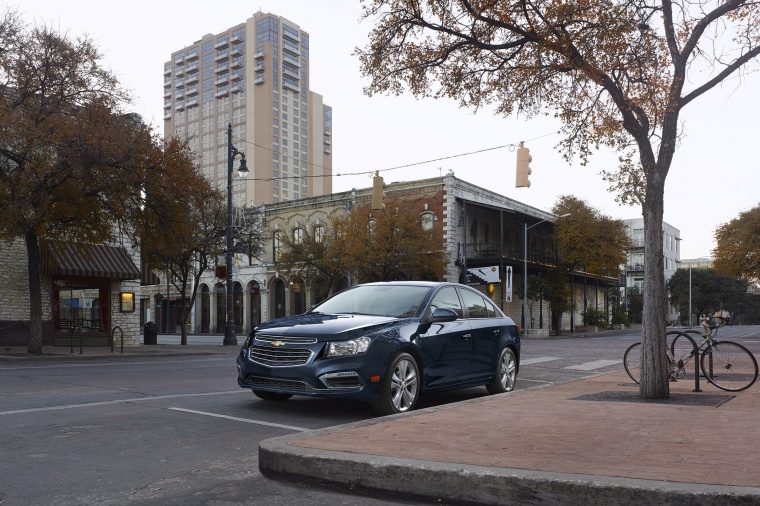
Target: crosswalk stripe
538, 360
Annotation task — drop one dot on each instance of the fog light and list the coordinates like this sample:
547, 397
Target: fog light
374, 379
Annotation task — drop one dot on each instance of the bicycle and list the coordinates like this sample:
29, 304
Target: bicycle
726, 364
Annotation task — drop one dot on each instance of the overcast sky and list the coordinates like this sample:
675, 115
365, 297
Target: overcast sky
713, 178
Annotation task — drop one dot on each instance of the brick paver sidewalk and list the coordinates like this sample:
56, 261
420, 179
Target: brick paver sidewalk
549, 429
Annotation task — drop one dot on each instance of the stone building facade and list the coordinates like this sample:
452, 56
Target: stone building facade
87, 293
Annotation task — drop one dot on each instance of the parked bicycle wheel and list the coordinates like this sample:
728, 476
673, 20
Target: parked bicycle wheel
632, 362
729, 366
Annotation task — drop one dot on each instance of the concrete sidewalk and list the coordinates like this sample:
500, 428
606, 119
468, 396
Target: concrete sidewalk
591, 441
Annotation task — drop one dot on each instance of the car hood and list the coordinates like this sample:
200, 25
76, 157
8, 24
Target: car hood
326, 327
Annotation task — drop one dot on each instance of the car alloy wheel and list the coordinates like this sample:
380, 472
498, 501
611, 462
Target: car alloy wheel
400, 388
506, 373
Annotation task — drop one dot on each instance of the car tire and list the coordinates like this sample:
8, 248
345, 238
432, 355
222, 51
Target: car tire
271, 396
506, 373
400, 387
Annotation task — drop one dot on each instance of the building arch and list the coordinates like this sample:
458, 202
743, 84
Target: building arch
277, 307
205, 309
254, 290
297, 295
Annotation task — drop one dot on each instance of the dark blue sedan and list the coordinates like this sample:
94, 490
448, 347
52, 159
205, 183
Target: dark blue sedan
385, 343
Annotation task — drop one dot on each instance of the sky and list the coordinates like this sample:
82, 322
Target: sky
713, 177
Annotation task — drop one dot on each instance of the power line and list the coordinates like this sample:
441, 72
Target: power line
369, 172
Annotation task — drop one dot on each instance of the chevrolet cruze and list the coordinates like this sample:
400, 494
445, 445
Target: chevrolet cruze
385, 343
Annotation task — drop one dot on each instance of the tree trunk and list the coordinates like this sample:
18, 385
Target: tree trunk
34, 259
654, 370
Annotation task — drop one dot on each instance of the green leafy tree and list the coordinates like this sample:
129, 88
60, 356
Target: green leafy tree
616, 74
737, 250
588, 239
558, 295
536, 291
71, 163
710, 292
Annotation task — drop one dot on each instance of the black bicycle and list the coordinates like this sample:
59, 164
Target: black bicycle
726, 364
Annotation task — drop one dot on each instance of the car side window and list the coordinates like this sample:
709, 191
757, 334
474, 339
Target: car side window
476, 304
447, 298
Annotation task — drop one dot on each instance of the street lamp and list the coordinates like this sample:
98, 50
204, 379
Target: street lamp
690, 262
525, 265
229, 329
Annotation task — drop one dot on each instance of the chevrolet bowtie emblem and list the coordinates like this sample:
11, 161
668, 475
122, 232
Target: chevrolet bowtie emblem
278, 343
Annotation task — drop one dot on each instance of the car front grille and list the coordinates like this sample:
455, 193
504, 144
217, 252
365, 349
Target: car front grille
284, 339
279, 357
276, 383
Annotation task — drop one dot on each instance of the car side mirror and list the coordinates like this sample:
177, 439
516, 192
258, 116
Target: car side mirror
442, 314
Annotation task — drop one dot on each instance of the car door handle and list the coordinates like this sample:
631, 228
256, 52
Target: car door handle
466, 336
496, 331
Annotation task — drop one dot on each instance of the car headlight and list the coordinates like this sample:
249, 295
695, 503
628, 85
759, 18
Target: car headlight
350, 347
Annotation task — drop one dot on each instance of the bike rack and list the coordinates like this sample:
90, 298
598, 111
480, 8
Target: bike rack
122, 338
696, 355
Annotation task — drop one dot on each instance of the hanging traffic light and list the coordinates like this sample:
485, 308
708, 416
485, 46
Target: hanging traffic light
378, 195
523, 167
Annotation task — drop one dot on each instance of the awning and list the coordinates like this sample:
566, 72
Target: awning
147, 276
90, 261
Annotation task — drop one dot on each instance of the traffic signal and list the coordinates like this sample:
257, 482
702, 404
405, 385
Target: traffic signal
221, 271
523, 167
377, 193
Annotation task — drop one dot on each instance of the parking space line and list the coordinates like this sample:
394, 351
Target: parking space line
246, 420
596, 364
118, 401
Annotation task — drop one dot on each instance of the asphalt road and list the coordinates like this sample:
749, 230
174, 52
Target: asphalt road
142, 430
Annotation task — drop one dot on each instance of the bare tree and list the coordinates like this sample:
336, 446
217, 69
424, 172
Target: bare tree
617, 73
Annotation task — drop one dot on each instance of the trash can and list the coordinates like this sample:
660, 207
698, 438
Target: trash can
151, 333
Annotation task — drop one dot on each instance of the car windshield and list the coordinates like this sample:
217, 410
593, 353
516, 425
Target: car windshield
398, 301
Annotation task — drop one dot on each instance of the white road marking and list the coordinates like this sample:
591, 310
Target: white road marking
246, 420
106, 403
596, 364
539, 360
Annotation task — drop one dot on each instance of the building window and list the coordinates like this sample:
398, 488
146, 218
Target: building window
297, 235
427, 221
276, 245
319, 233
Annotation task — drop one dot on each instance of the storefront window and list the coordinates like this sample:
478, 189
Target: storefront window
81, 304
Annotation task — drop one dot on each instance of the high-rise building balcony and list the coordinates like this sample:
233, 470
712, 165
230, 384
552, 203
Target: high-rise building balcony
179, 105
237, 75
192, 54
191, 66
192, 78
222, 79
259, 54
291, 59
222, 67
192, 90
192, 101
167, 114
179, 71
167, 92
222, 42
238, 62
178, 83
168, 69
222, 54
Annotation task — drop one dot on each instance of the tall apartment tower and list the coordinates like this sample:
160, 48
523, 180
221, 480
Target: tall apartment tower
255, 76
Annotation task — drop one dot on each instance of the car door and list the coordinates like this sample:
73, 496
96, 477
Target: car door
486, 329
446, 347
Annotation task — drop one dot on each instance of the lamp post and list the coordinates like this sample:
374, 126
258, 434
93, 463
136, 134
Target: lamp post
229, 329
690, 262
525, 265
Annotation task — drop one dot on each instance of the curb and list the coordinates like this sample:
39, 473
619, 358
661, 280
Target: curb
481, 485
